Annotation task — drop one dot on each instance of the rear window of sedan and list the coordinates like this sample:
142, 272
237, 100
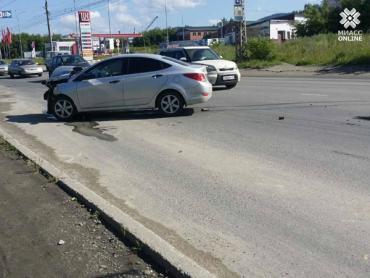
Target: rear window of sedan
26, 62
141, 65
72, 59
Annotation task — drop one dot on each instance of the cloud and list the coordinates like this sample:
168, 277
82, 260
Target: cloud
121, 14
126, 15
171, 4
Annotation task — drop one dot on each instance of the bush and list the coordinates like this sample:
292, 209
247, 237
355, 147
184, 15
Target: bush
259, 49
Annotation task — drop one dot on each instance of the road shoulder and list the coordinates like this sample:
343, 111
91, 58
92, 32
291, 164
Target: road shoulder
46, 233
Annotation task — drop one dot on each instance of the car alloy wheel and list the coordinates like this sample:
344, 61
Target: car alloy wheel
64, 109
171, 104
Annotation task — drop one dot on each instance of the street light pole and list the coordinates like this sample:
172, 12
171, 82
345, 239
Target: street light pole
165, 10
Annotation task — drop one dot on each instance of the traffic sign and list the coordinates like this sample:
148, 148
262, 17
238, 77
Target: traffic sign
5, 14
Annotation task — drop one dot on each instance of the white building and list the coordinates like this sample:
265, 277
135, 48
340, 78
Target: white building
60, 46
276, 27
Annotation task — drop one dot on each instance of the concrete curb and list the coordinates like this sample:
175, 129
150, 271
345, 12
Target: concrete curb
163, 254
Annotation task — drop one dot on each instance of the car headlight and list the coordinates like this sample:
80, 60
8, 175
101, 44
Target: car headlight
211, 68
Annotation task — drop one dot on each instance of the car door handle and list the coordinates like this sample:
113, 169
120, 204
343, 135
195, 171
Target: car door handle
114, 81
157, 76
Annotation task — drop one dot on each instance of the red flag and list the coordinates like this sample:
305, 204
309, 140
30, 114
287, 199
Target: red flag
9, 36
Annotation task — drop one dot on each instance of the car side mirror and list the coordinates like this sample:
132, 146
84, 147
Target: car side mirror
76, 70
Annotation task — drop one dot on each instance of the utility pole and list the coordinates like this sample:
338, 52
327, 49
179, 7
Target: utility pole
165, 10
76, 22
183, 27
110, 29
241, 34
19, 35
48, 22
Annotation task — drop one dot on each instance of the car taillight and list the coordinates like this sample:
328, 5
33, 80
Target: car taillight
196, 76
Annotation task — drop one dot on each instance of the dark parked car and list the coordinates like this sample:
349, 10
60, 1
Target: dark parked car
66, 60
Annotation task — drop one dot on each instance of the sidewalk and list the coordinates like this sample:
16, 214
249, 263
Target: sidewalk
46, 233
287, 70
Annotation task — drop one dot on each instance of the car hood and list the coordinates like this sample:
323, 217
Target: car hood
219, 64
61, 72
81, 64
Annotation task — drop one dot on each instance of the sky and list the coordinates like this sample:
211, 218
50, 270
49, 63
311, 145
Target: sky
128, 16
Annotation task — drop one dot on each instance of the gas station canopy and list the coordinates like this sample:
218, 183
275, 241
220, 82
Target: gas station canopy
117, 36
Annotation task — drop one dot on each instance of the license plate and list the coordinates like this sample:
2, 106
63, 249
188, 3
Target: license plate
228, 77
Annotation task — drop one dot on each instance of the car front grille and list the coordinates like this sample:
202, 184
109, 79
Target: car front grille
226, 69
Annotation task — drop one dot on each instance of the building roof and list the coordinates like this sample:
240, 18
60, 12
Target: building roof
198, 28
278, 16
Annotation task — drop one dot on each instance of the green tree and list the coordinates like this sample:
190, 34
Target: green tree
325, 19
155, 37
317, 20
27, 40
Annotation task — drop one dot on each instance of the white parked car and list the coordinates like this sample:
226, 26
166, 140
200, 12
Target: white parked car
3, 68
220, 71
131, 82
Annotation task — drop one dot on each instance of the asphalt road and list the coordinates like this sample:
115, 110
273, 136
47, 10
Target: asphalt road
272, 181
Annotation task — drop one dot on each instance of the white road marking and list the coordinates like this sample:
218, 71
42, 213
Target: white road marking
314, 95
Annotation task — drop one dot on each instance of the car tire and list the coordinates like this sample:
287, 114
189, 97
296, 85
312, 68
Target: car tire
64, 109
11, 75
231, 86
170, 103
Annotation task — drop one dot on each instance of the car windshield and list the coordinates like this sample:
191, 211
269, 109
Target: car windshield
202, 54
72, 60
26, 62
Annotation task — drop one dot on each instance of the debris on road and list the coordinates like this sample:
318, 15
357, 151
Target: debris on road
61, 242
281, 118
205, 109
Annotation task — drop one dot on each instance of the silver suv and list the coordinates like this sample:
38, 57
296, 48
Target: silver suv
220, 71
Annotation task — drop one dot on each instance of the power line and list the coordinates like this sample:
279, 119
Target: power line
55, 15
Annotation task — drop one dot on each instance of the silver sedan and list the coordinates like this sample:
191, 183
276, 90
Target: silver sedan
24, 67
132, 82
